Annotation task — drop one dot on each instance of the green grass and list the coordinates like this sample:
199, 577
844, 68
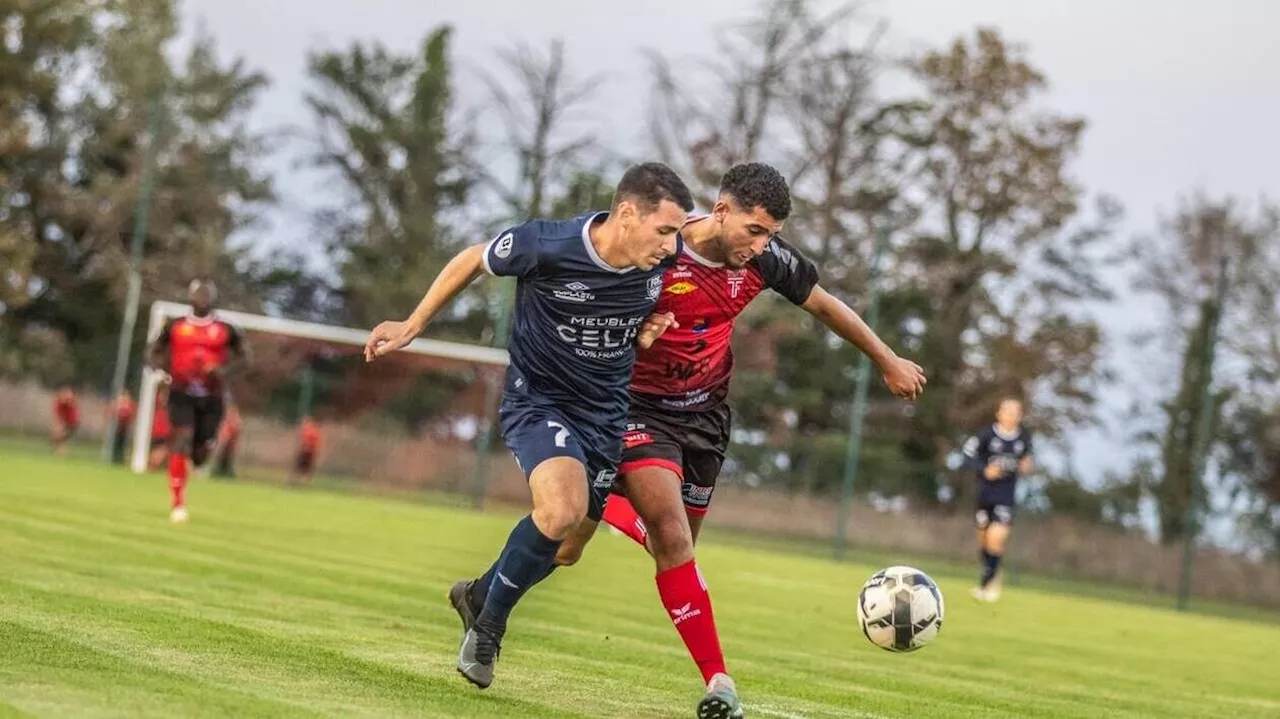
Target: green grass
277, 603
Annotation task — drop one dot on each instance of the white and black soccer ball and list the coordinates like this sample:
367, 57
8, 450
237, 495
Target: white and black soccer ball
900, 609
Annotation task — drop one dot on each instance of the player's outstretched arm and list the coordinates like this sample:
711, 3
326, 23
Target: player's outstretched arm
461, 271
904, 378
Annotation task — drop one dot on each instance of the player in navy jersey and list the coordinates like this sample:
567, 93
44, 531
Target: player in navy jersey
679, 423
1000, 454
585, 289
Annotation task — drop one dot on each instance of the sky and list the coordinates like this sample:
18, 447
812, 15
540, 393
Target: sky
1180, 95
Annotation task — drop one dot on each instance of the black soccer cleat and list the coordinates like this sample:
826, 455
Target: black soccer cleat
460, 598
476, 657
721, 701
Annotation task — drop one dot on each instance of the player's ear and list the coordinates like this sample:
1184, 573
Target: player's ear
720, 210
626, 212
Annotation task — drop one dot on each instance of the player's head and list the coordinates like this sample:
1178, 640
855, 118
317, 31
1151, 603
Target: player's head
1009, 412
202, 294
754, 202
650, 206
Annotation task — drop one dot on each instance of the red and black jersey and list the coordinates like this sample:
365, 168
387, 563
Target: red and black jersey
689, 367
197, 347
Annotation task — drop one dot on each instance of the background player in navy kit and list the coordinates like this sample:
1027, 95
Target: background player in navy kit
678, 428
1000, 454
586, 287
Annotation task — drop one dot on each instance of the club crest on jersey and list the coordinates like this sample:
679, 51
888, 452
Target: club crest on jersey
735, 283
682, 288
502, 249
655, 287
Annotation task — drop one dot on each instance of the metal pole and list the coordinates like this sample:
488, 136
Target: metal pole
858, 408
134, 296
1200, 451
306, 392
493, 389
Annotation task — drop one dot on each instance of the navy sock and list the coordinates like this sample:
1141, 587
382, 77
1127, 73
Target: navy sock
525, 561
480, 587
990, 565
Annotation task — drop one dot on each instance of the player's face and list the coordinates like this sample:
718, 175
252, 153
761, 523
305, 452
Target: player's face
743, 233
1009, 414
651, 237
202, 300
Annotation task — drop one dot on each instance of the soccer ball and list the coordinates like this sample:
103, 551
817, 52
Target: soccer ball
900, 609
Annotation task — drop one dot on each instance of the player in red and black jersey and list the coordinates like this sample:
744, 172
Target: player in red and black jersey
678, 425
66, 418
196, 351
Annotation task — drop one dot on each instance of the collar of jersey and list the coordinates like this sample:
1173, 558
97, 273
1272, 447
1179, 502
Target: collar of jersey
591, 249
192, 319
996, 428
688, 250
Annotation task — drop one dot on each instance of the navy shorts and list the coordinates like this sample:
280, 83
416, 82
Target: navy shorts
535, 434
993, 513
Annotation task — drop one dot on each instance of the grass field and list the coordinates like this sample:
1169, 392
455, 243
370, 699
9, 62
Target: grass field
277, 603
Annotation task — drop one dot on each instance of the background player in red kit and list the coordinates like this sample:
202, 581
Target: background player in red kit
678, 427
196, 351
66, 418
304, 464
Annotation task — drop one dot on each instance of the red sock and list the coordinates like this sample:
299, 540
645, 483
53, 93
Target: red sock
688, 604
177, 478
619, 513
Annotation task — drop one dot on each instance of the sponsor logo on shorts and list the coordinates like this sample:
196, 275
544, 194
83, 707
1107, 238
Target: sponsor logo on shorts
604, 479
635, 439
696, 495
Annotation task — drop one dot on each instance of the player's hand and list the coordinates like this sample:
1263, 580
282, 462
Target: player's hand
904, 378
387, 338
993, 470
1025, 465
653, 328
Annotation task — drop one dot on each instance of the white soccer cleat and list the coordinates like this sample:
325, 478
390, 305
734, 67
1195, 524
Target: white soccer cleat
721, 700
178, 515
979, 594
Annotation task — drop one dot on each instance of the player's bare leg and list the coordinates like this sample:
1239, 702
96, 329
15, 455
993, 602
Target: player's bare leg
178, 468
560, 500
655, 494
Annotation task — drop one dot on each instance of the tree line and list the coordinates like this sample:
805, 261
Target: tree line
998, 265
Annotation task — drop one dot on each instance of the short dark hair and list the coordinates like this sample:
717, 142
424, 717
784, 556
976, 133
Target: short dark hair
649, 183
755, 184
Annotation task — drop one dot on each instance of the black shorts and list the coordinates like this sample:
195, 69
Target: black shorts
305, 462
691, 444
201, 414
993, 513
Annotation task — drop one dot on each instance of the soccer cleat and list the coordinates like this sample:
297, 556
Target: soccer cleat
460, 598
178, 515
477, 655
721, 701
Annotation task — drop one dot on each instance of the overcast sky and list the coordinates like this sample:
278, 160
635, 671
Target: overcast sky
1179, 94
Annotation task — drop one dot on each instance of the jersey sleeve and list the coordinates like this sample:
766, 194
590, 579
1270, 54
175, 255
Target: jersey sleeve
514, 252
787, 272
235, 338
975, 451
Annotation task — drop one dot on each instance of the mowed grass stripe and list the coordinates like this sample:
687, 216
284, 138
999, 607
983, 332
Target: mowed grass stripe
308, 602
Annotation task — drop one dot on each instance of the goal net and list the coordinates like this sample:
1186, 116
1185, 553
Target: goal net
421, 418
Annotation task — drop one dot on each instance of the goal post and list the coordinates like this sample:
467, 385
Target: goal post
163, 311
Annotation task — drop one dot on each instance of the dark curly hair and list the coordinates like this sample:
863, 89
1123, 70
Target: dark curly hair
755, 184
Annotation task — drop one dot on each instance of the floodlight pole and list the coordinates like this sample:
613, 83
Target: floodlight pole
134, 296
858, 408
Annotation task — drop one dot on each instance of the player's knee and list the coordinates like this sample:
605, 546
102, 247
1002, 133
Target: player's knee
557, 520
671, 540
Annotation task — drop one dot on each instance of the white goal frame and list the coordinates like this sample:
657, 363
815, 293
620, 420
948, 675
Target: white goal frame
163, 311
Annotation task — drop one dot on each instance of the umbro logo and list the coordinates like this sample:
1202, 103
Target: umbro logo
507, 582
577, 287
575, 292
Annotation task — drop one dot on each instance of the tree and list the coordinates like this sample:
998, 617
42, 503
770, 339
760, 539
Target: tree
996, 201
383, 127
1202, 240
94, 74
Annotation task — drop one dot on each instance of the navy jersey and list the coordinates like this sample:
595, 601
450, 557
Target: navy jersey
992, 445
576, 322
